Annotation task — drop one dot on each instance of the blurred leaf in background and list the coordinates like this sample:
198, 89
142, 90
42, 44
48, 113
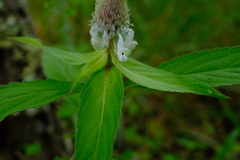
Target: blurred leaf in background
32, 149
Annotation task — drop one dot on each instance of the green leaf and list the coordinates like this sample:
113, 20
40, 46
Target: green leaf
162, 80
20, 96
28, 40
71, 57
99, 115
217, 67
55, 68
94, 65
70, 107
66, 56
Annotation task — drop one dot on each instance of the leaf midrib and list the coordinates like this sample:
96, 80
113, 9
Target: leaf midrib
32, 93
173, 87
144, 77
102, 113
2, 113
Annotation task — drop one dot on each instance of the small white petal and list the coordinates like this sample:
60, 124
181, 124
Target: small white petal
130, 35
105, 35
122, 57
93, 32
121, 49
120, 44
135, 42
130, 45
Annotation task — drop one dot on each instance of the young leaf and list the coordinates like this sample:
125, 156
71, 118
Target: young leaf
28, 40
55, 68
71, 57
216, 67
94, 65
162, 80
99, 115
20, 96
66, 56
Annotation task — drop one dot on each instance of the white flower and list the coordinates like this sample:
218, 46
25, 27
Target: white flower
121, 50
125, 43
99, 37
124, 47
129, 42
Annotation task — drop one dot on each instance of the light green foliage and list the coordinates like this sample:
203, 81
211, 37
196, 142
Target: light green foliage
67, 57
20, 96
94, 65
55, 68
71, 57
99, 115
161, 80
28, 40
216, 67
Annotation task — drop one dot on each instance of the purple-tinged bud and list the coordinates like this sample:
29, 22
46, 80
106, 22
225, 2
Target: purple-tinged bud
111, 13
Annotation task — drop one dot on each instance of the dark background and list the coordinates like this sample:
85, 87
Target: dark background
154, 125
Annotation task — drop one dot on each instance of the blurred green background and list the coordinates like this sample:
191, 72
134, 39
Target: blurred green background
160, 125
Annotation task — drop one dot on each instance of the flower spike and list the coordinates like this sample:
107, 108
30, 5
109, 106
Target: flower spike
111, 22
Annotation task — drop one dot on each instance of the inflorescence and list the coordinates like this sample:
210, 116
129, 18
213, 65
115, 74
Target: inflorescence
111, 20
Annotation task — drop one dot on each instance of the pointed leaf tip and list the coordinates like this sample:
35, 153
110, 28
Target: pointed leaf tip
162, 80
28, 40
